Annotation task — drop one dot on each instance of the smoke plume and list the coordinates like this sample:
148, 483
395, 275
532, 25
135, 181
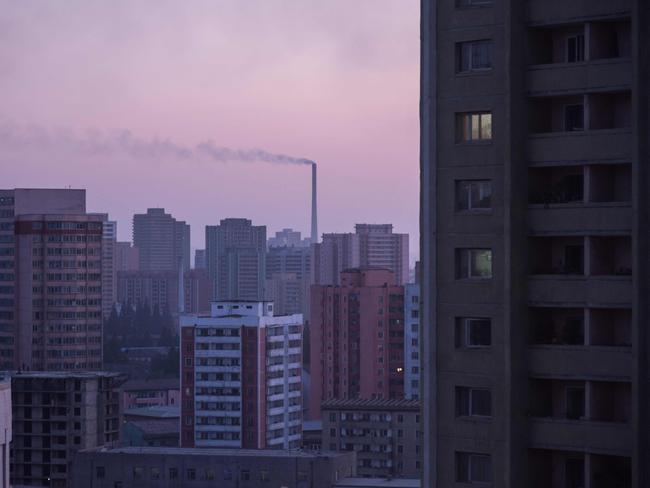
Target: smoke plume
124, 143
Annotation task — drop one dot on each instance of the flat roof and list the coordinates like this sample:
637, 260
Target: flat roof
378, 483
154, 412
206, 451
372, 404
66, 374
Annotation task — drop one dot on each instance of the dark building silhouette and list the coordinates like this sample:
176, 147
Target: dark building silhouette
534, 220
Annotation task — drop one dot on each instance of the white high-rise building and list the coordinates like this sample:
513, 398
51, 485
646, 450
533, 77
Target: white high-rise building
241, 377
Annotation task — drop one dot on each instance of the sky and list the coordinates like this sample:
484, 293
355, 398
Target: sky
119, 97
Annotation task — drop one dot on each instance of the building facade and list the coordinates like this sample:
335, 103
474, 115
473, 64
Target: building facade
288, 238
54, 416
199, 259
385, 434
109, 271
127, 257
13, 203
154, 467
380, 247
5, 430
357, 338
534, 211
236, 259
150, 393
288, 277
163, 242
371, 246
241, 377
412, 351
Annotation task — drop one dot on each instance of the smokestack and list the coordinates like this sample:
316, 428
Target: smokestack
314, 211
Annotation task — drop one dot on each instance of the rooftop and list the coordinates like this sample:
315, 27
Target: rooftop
157, 426
180, 451
163, 412
378, 483
374, 404
65, 374
152, 384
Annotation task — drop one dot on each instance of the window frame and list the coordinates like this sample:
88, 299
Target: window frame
580, 48
464, 125
472, 45
470, 408
466, 253
466, 459
463, 334
470, 185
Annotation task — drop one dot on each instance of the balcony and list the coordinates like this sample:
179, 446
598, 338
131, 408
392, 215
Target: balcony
579, 218
582, 361
609, 74
607, 145
575, 435
556, 11
606, 291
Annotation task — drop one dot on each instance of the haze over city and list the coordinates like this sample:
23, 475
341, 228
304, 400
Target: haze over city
334, 82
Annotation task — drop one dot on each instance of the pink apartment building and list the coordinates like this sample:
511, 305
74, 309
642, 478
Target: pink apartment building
150, 393
357, 338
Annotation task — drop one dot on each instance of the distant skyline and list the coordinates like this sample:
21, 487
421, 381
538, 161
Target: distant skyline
335, 82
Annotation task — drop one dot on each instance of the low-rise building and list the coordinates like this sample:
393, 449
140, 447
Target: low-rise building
151, 433
385, 434
150, 393
56, 414
158, 467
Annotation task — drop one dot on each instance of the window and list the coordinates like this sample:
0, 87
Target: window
137, 473
473, 332
100, 472
575, 48
575, 473
574, 118
473, 3
155, 473
245, 475
473, 127
264, 476
191, 474
227, 474
473, 263
473, 402
473, 56
473, 195
575, 403
473, 468
173, 473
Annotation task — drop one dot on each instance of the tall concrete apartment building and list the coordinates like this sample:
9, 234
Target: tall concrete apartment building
127, 257
371, 246
357, 339
54, 416
109, 271
241, 384
535, 235
50, 281
162, 241
236, 257
5, 430
412, 334
380, 247
288, 277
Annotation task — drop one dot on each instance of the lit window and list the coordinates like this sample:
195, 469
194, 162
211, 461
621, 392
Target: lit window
473, 127
473, 264
473, 195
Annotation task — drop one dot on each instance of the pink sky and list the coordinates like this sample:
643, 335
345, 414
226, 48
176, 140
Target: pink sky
335, 81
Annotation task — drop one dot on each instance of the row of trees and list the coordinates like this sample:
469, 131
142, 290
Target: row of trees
137, 325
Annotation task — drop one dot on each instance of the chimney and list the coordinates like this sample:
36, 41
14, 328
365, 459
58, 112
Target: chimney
314, 211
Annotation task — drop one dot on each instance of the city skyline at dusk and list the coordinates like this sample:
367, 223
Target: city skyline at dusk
103, 97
